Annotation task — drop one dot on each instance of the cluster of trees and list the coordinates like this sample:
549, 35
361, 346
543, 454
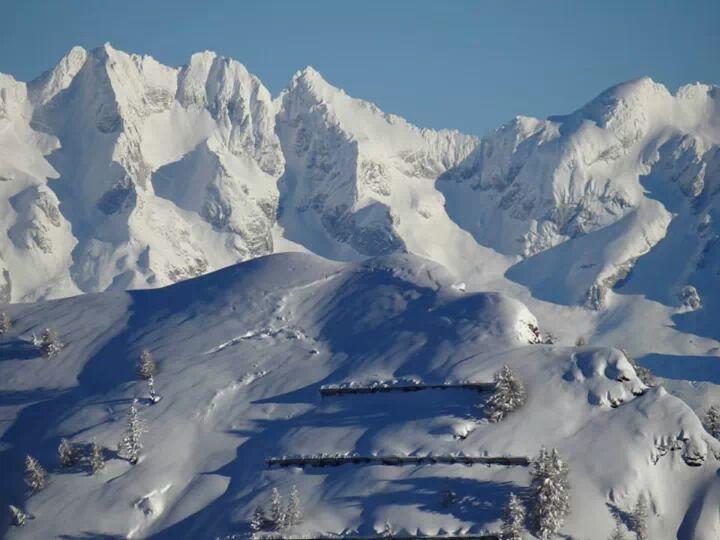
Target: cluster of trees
509, 395
280, 516
48, 343
637, 522
643, 373
711, 420
549, 502
71, 454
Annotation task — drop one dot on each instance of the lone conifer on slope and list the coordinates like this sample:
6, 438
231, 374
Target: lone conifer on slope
257, 521
550, 493
277, 513
49, 343
96, 459
509, 395
67, 452
5, 324
35, 475
639, 518
293, 513
18, 516
513, 523
711, 420
617, 532
146, 365
130, 442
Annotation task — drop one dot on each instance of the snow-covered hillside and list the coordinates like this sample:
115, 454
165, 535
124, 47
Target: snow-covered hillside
242, 355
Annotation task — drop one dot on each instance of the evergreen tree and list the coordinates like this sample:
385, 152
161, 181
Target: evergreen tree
617, 533
513, 523
35, 475
5, 325
277, 514
18, 516
68, 453
257, 521
509, 395
644, 374
388, 529
639, 518
293, 513
96, 458
711, 420
49, 343
130, 441
550, 491
146, 366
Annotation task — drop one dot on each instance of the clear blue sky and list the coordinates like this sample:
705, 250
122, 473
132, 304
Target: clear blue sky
458, 64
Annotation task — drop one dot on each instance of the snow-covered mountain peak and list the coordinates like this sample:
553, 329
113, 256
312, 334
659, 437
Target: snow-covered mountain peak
49, 84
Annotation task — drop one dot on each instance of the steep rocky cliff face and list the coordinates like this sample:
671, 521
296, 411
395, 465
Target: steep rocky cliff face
144, 174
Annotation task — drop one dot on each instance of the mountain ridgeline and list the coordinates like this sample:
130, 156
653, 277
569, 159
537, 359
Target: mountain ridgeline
118, 172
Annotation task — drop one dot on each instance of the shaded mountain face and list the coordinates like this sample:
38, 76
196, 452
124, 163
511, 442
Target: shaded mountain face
118, 172
242, 355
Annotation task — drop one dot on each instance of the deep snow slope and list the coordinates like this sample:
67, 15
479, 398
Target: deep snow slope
242, 354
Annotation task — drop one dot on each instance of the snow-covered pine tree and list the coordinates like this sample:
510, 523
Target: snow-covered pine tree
711, 420
35, 475
68, 453
293, 513
96, 458
550, 493
18, 516
257, 521
513, 523
639, 518
509, 395
617, 533
49, 343
130, 442
277, 513
388, 529
146, 366
5, 325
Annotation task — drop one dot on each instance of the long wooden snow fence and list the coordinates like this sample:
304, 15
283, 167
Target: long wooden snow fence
336, 461
330, 390
404, 537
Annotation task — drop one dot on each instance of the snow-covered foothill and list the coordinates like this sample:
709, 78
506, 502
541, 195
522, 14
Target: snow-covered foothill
202, 467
